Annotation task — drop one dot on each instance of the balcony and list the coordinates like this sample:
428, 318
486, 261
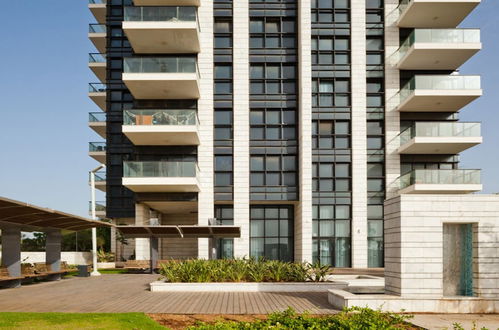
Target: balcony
434, 13
438, 49
195, 3
97, 34
447, 138
97, 63
427, 93
162, 77
100, 209
97, 93
100, 180
98, 9
97, 150
97, 122
440, 182
162, 30
161, 176
161, 127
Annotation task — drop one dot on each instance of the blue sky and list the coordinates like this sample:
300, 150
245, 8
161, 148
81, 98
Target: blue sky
44, 77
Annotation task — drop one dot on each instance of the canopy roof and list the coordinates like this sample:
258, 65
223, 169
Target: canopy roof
180, 231
33, 218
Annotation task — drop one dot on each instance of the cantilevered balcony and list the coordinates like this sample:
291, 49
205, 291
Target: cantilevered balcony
97, 63
425, 93
161, 77
98, 9
97, 34
161, 127
100, 209
438, 49
97, 150
439, 138
161, 176
434, 13
100, 180
97, 93
440, 182
97, 122
195, 3
162, 30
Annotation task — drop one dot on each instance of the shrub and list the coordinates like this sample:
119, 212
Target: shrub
240, 270
353, 318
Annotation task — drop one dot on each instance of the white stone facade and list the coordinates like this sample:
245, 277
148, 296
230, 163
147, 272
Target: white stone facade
414, 242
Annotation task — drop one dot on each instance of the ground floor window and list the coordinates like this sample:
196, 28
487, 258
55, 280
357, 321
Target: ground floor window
375, 255
224, 215
331, 235
271, 232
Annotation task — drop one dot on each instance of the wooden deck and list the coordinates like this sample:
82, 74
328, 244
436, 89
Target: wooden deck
129, 293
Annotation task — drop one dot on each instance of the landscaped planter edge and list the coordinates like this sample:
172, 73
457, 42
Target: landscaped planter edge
160, 286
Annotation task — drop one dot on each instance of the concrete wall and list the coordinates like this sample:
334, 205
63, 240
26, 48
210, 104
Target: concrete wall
72, 258
414, 242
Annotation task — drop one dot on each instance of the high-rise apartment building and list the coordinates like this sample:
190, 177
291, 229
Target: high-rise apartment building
293, 120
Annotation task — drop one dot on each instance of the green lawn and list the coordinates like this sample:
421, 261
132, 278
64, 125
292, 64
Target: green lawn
76, 321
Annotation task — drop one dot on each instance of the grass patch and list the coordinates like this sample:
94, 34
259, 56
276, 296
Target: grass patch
102, 271
77, 321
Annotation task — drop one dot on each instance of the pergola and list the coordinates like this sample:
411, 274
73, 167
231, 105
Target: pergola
16, 217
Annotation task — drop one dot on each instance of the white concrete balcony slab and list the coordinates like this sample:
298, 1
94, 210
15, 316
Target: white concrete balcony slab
97, 93
443, 93
447, 138
161, 176
97, 34
98, 64
97, 150
434, 13
97, 122
98, 9
161, 127
162, 77
426, 181
438, 49
195, 3
162, 30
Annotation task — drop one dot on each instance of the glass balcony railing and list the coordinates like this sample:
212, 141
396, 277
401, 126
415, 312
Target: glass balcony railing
160, 117
97, 117
96, 58
160, 14
97, 2
159, 169
97, 28
160, 65
446, 36
440, 129
99, 206
403, 5
431, 82
96, 146
96, 88
99, 176
426, 176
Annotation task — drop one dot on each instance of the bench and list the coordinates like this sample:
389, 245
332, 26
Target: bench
137, 264
5, 276
66, 268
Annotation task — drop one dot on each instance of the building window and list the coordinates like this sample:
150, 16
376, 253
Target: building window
271, 232
331, 93
272, 32
331, 235
272, 78
273, 124
224, 215
330, 134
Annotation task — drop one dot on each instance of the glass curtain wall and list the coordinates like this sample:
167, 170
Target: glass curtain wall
331, 132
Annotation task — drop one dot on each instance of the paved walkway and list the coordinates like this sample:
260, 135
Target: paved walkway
445, 321
130, 293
